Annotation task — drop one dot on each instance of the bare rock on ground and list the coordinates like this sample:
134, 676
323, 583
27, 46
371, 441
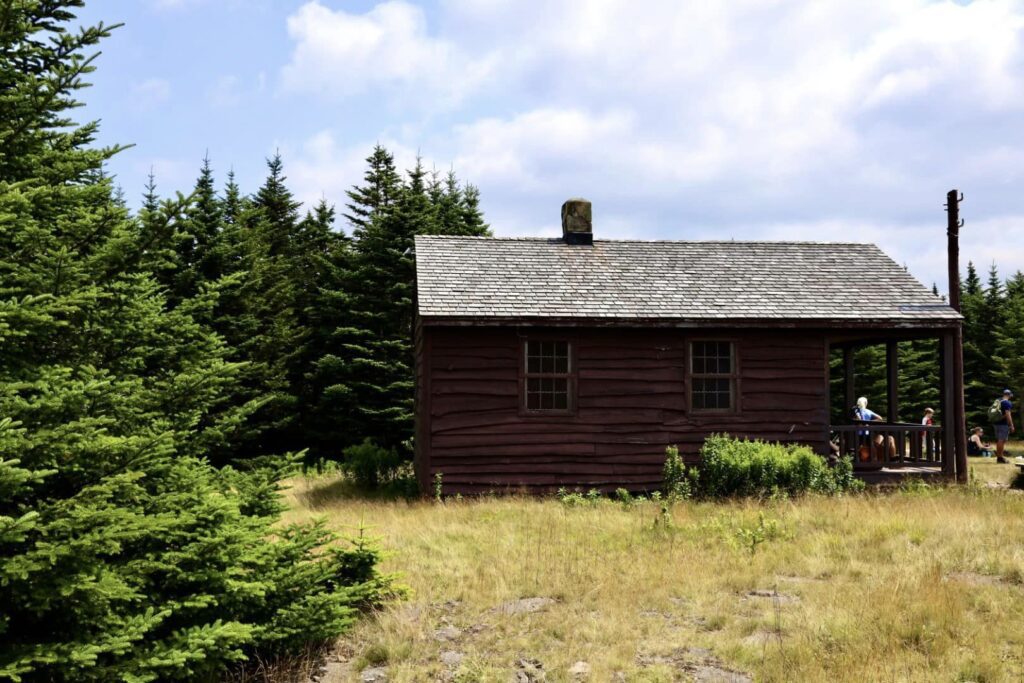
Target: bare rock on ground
698, 663
977, 579
375, 674
451, 659
447, 633
579, 670
760, 638
525, 605
711, 673
529, 671
781, 598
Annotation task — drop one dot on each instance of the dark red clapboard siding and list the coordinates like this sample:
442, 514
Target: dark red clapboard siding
632, 402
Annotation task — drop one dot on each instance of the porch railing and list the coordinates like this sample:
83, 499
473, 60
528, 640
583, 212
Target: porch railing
873, 445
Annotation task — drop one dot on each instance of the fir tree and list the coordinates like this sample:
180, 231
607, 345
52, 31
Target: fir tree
204, 225
378, 195
233, 203
123, 555
473, 222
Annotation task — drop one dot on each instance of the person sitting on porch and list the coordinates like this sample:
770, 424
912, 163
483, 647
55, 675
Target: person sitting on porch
975, 446
862, 412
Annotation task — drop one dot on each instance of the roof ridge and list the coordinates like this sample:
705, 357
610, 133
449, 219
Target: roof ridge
557, 240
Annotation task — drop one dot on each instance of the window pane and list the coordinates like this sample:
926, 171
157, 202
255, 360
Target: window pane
547, 358
711, 358
562, 400
712, 394
561, 363
533, 394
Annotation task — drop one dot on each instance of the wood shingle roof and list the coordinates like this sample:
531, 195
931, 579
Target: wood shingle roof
508, 278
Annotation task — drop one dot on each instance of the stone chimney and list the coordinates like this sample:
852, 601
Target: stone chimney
576, 222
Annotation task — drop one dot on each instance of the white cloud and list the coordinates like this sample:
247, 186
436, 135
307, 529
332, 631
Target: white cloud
339, 53
150, 94
321, 167
848, 119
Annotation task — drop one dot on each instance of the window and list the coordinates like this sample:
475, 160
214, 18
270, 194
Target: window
548, 378
713, 376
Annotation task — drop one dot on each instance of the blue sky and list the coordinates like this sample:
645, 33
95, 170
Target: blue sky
846, 120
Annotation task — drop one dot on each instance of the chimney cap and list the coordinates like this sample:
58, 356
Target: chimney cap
577, 221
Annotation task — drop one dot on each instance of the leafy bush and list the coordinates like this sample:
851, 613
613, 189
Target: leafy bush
739, 467
370, 465
576, 498
677, 479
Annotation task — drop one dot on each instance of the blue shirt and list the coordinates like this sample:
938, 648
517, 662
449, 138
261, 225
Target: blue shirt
866, 414
1004, 406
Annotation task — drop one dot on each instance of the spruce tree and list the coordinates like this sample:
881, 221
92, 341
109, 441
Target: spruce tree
378, 195
198, 254
269, 294
977, 351
123, 554
473, 222
1009, 340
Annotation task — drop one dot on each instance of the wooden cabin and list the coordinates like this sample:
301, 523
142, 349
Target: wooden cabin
544, 362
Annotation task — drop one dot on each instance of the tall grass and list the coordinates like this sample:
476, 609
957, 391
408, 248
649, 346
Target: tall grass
924, 585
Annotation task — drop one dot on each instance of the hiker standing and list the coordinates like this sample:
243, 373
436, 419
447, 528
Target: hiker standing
1002, 414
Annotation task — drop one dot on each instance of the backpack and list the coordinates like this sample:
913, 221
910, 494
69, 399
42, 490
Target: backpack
995, 411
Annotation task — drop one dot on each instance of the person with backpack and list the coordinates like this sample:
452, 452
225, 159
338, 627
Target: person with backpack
1000, 414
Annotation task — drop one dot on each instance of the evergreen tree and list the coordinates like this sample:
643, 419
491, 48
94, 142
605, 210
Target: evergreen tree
270, 232
1009, 340
233, 203
456, 208
919, 379
198, 253
361, 384
473, 222
378, 195
124, 555
381, 280
977, 350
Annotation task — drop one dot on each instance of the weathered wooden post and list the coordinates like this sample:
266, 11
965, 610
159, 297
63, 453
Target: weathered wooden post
956, 381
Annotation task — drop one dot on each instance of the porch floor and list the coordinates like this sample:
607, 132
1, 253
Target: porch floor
892, 476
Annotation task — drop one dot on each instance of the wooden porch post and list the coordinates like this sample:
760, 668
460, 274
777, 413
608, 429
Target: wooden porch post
892, 370
959, 410
955, 352
949, 417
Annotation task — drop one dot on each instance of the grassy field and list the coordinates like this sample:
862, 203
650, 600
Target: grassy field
922, 584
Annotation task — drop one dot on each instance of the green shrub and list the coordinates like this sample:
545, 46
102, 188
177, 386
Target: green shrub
371, 466
677, 479
739, 467
624, 497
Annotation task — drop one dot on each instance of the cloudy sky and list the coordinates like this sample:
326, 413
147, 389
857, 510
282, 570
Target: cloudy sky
842, 120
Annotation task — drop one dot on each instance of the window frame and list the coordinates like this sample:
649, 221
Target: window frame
571, 376
733, 376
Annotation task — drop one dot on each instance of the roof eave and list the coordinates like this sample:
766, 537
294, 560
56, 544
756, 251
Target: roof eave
943, 323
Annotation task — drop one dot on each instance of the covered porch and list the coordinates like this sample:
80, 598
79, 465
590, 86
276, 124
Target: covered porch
900, 446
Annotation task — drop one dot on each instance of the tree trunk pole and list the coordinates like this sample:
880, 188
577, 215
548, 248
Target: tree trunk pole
953, 225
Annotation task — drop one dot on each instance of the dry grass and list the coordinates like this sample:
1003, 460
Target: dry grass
919, 585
